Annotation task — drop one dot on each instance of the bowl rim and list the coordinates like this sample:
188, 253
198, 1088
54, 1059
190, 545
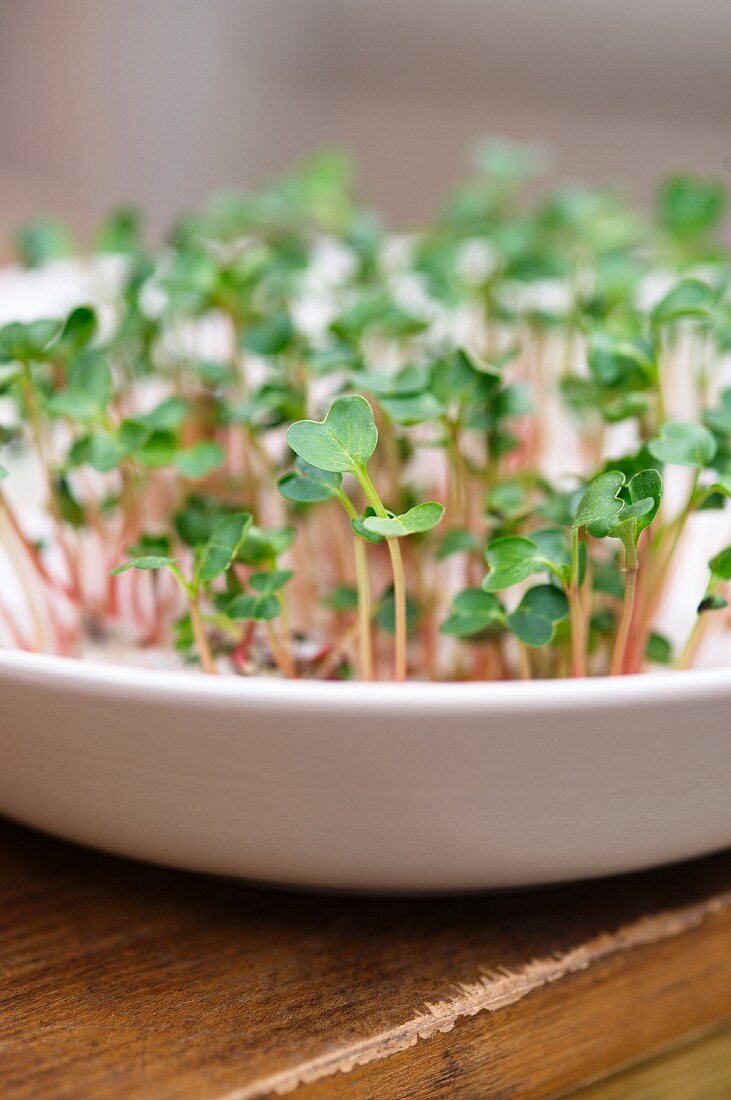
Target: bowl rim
100, 678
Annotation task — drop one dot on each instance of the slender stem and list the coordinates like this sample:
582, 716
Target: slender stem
29, 592
282, 657
459, 496
399, 596
365, 648
32, 550
663, 555
576, 613
199, 632
628, 607
54, 506
286, 636
689, 650
331, 659
365, 645
399, 580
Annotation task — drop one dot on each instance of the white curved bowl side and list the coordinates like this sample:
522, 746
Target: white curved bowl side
416, 787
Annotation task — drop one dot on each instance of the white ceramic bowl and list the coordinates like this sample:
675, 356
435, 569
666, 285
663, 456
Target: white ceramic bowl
417, 787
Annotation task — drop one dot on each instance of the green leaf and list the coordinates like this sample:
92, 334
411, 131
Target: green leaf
474, 611
27, 342
385, 613
689, 298
120, 232
720, 565
42, 240
457, 541
512, 559
71, 510
200, 460
422, 517
615, 362
269, 336
264, 546
102, 452
683, 443
659, 649
308, 485
157, 449
266, 584
712, 602
412, 409
88, 391
359, 526
600, 505
342, 598
534, 620
165, 417
407, 382
148, 562
149, 544
79, 329
645, 485
553, 548
461, 376
639, 510
218, 553
9, 375
342, 442
719, 419
691, 205
258, 608
195, 521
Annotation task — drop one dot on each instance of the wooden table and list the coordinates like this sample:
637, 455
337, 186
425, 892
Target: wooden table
124, 981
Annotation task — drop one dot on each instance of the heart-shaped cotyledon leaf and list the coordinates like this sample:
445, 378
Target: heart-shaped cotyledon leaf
719, 419
257, 608
683, 443
511, 559
601, 504
200, 460
720, 572
144, 562
514, 558
342, 442
645, 494
359, 526
266, 584
473, 611
217, 554
26, 342
413, 408
420, 518
535, 618
688, 298
308, 485
720, 565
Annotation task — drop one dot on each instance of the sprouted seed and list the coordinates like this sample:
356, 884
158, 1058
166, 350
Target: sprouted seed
292, 442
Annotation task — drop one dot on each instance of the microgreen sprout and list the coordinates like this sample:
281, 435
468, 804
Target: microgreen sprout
343, 443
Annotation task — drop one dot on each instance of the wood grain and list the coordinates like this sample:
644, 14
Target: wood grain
124, 981
697, 1070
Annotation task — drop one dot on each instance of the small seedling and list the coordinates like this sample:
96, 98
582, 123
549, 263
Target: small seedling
343, 443
213, 558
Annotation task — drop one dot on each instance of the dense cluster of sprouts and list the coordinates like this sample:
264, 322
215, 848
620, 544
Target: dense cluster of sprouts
291, 442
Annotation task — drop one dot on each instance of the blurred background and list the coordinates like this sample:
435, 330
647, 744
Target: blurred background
158, 101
